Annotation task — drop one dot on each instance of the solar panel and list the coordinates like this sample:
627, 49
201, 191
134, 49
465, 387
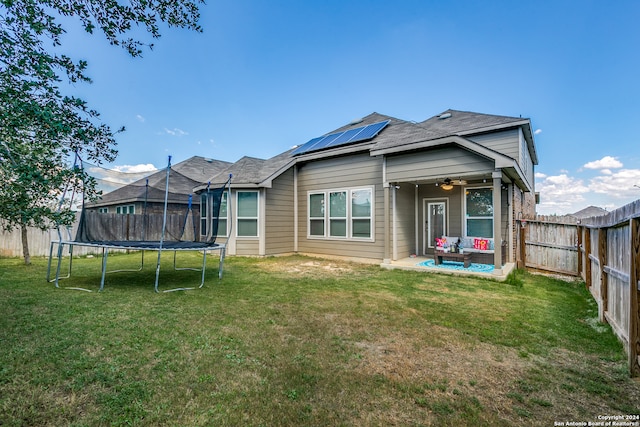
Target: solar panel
307, 145
372, 130
350, 136
347, 136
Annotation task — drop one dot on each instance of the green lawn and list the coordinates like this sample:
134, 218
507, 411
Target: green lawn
302, 341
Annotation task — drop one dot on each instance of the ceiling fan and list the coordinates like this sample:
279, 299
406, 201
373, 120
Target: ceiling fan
448, 183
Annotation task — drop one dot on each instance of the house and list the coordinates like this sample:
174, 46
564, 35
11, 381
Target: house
381, 189
148, 194
589, 211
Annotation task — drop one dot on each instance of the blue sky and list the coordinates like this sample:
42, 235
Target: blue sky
267, 75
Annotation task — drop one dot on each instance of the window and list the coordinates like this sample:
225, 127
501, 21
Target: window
203, 214
247, 225
103, 210
338, 214
479, 210
349, 214
206, 212
361, 214
222, 216
316, 214
126, 209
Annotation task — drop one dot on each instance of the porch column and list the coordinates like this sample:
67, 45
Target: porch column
497, 222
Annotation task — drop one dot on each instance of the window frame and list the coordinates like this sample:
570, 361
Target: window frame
467, 217
129, 208
103, 210
238, 217
348, 219
204, 214
224, 201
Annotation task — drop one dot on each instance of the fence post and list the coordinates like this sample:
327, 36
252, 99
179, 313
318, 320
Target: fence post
579, 229
634, 311
522, 259
604, 280
587, 259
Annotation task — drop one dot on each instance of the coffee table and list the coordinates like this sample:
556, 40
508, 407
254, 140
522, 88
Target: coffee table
440, 256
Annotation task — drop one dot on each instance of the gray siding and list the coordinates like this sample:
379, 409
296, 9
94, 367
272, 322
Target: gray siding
279, 233
525, 162
405, 221
359, 170
437, 163
506, 142
247, 246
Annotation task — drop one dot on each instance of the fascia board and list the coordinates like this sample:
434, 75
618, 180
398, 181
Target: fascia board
500, 159
493, 128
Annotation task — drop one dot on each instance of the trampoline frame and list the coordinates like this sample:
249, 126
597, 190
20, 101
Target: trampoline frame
158, 246
105, 254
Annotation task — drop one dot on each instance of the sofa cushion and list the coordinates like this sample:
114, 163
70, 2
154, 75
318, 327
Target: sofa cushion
446, 241
478, 244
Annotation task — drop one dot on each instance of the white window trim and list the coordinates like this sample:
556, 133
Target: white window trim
349, 218
238, 217
466, 217
103, 210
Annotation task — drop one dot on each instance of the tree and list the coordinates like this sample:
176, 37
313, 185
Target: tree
41, 128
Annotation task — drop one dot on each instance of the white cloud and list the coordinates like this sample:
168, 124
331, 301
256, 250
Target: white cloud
619, 185
140, 168
175, 132
607, 162
140, 118
561, 194
118, 176
537, 131
541, 175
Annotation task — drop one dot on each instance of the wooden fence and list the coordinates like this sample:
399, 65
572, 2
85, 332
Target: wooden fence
610, 267
605, 252
550, 244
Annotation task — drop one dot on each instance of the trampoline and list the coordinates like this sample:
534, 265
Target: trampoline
108, 231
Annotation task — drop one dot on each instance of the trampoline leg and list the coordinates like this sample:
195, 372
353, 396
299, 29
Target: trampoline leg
105, 254
49, 263
155, 286
60, 248
204, 267
220, 268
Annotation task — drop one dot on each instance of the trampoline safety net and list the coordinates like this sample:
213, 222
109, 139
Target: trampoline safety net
155, 212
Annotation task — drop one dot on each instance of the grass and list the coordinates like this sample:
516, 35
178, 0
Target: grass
302, 341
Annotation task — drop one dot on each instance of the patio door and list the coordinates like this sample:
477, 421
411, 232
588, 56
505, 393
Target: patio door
435, 222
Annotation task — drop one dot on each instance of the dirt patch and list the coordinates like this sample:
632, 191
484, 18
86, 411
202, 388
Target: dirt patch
309, 268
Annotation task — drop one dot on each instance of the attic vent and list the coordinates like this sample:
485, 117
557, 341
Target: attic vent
444, 116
